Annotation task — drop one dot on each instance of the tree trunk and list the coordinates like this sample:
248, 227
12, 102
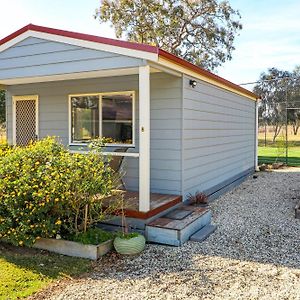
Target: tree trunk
265, 134
76, 221
295, 128
85, 217
277, 131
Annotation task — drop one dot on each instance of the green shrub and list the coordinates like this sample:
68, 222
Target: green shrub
94, 236
45, 191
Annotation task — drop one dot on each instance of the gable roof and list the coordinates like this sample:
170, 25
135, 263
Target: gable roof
144, 51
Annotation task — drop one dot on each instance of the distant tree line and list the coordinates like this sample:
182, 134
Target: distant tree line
279, 90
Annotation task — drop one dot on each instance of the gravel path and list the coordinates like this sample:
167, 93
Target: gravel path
254, 254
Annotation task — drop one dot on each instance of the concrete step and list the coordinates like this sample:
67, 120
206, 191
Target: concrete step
176, 227
203, 233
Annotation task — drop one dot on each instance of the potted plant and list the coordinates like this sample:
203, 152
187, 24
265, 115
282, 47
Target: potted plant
128, 243
198, 199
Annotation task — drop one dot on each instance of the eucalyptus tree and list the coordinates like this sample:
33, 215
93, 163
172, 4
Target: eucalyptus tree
294, 100
272, 88
200, 31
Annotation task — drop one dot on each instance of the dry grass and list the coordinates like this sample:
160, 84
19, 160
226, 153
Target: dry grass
270, 134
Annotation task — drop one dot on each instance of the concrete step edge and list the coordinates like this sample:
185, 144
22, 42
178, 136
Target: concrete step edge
203, 233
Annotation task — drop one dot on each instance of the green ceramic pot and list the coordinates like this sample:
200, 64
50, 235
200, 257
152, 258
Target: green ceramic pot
130, 246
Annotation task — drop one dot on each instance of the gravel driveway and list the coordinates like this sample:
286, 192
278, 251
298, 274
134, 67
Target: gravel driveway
254, 254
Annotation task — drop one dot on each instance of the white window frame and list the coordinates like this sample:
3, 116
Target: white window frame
100, 95
14, 117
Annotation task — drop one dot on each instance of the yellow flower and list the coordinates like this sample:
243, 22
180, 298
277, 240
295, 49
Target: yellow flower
58, 222
21, 243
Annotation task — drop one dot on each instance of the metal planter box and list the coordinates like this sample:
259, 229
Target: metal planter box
73, 248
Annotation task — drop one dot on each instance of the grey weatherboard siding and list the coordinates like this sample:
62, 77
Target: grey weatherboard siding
165, 121
35, 57
218, 136
200, 137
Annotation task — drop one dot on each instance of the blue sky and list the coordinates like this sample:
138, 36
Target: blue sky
270, 36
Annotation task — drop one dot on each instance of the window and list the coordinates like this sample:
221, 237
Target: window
117, 118
109, 115
85, 118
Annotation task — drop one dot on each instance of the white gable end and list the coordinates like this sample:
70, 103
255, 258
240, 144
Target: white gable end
81, 43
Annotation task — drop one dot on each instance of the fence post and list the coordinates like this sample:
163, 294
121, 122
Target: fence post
286, 127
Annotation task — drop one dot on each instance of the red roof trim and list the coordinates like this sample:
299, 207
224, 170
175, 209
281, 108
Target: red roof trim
203, 72
81, 36
128, 45
15, 34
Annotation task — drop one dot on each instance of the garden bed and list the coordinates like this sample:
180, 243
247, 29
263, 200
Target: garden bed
76, 249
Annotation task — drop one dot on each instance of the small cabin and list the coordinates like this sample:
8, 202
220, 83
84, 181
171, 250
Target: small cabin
178, 128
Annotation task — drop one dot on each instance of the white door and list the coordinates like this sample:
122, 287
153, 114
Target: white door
25, 119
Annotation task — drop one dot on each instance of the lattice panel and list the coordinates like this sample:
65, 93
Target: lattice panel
25, 122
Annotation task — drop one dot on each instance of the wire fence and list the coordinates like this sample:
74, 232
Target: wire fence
279, 133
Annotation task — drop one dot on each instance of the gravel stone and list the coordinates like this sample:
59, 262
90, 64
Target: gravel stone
253, 254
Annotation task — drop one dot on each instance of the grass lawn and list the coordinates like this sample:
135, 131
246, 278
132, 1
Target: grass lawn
270, 153
24, 271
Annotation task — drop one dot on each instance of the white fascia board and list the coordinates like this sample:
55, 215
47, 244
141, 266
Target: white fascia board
15, 41
81, 43
70, 76
161, 68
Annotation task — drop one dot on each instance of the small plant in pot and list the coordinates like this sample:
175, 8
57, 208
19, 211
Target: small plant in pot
128, 243
198, 199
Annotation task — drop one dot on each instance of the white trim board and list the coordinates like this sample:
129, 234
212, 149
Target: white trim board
70, 76
124, 154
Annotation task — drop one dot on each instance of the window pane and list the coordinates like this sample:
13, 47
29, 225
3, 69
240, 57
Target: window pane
85, 118
117, 118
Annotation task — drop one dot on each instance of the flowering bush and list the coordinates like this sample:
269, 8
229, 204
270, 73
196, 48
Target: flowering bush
45, 190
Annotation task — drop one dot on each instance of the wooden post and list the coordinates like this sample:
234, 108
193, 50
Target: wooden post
256, 136
144, 138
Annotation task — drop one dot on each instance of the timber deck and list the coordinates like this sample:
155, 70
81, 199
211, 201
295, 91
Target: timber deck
158, 204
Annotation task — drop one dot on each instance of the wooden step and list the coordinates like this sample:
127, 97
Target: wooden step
176, 227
